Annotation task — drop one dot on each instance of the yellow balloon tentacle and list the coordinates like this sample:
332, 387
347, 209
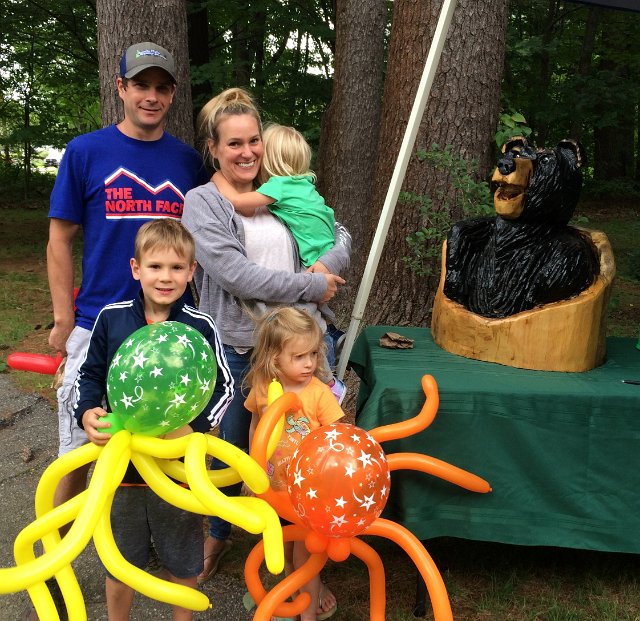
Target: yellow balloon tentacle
138, 579
88, 513
274, 392
202, 498
44, 567
46, 528
159, 447
163, 486
41, 527
272, 534
218, 504
58, 469
251, 473
219, 478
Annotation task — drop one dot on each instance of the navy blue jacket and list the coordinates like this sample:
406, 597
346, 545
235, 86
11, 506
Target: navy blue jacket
115, 323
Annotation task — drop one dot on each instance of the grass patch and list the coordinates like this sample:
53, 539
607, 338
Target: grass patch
25, 302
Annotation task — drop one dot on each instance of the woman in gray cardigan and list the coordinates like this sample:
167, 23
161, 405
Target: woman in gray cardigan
244, 263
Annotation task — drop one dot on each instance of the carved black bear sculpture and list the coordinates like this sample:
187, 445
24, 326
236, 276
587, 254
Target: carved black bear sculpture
527, 255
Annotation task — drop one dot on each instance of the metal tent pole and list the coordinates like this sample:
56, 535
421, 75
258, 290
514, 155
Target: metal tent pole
424, 88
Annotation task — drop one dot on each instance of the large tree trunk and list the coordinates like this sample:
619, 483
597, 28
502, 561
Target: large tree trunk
347, 151
161, 21
462, 111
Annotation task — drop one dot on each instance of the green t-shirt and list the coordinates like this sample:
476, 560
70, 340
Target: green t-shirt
304, 212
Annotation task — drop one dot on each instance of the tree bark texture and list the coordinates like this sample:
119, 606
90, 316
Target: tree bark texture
462, 111
348, 141
161, 21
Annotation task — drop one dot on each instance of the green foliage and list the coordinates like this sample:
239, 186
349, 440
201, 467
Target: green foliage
12, 182
470, 197
282, 51
511, 124
49, 89
569, 69
621, 188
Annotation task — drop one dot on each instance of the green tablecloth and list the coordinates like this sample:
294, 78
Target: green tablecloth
560, 450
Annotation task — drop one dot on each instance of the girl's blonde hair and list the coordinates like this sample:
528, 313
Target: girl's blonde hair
227, 103
165, 234
286, 153
273, 331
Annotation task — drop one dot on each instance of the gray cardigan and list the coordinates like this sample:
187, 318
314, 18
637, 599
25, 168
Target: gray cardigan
225, 277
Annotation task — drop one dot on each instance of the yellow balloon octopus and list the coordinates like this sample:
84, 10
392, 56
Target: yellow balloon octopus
157, 460
340, 544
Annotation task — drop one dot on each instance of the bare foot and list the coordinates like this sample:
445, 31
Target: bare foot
327, 603
214, 550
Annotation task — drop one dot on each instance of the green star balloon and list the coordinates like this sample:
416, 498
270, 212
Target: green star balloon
160, 379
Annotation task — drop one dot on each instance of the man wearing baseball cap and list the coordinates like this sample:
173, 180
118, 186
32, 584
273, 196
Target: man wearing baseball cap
141, 56
110, 182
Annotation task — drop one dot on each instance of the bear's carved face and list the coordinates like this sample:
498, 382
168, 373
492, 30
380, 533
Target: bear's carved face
537, 185
512, 177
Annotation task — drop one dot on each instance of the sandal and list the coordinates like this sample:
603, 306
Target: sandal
250, 605
215, 557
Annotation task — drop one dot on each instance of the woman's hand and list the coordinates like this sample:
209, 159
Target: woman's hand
318, 268
332, 287
94, 427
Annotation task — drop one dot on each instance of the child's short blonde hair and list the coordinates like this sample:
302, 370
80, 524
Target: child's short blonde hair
274, 329
286, 153
165, 234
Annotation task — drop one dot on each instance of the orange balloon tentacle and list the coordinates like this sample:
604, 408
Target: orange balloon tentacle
285, 588
251, 572
377, 588
274, 601
281, 502
417, 423
438, 468
268, 421
423, 561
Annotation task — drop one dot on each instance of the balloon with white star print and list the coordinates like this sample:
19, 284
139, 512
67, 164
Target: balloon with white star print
338, 480
160, 378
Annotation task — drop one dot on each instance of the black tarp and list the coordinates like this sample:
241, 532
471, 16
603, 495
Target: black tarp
628, 5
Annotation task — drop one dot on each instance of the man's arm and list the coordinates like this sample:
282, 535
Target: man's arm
60, 273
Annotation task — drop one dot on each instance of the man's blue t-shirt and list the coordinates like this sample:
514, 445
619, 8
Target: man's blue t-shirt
111, 185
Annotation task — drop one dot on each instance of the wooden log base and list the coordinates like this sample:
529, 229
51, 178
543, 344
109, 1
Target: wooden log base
564, 336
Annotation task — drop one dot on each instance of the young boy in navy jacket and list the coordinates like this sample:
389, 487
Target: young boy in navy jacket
164, 264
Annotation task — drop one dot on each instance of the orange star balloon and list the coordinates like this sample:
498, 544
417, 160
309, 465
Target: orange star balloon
338, 483
339, 480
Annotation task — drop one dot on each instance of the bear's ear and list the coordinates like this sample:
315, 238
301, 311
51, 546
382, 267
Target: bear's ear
514, 142
575, 147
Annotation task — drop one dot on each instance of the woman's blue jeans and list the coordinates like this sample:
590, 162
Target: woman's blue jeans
234, 429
